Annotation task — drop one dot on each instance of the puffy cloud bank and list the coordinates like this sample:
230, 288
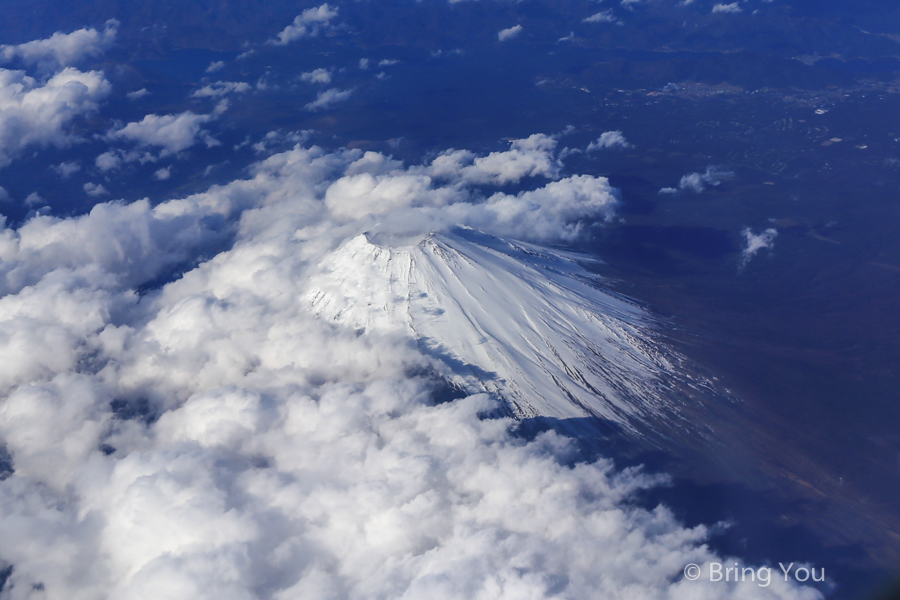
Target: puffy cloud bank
62, 49
36, 113
171, 133
38, 109
212, 438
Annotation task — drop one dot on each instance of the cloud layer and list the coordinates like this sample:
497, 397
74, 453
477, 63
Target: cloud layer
212, 438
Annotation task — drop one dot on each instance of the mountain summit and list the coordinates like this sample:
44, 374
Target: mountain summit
525, 323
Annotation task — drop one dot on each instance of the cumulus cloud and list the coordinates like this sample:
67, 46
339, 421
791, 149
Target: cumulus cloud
34, 113
108, 161
214, 439
530, 157
95, 190
509, 33
215, 66
222, 88
697, 182
170, 133
66, 169
162, 174
609, 139
316, 76
753, 243
306, 24
328, 98
734, 7
62, 49
137, 94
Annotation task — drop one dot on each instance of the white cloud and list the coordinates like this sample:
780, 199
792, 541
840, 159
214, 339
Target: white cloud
753, 243
4, 195
510, 33
281, 138
306, 24
215, 66
222, 88
387, 62
171, 133
364, 63
34, 199
137, 94
557, 211
693, 182
609, 139
162, 174
316, 76
734, 7
605, 16
215, 439
33, 113
37, 111
95, 190
66, 169
697, 182
529, 157
62, 49
108, 161
328, 98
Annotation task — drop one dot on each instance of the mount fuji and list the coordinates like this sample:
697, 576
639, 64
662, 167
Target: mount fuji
524, 323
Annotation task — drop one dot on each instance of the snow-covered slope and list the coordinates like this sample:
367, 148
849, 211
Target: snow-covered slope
522, 322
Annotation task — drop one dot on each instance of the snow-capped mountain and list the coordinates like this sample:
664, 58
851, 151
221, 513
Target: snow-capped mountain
525, 323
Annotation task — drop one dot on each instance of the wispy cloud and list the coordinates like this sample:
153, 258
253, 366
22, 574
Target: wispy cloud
509, 33
306, 24
697, 182
329, 98
754, 242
